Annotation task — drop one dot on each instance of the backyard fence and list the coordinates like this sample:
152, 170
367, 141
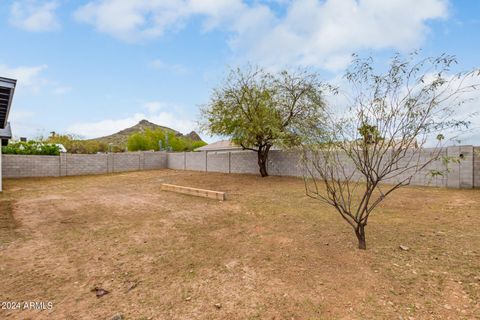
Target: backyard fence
19, 166
465, 174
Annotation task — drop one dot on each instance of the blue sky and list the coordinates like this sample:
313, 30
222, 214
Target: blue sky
95, 67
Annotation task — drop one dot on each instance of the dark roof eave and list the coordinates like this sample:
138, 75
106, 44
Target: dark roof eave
8, 84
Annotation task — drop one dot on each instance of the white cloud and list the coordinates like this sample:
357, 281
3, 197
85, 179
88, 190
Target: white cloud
104, 127
325, 33
465, 104
29, 77
467, 111
143, 19
178, 69
35, 16
32, 79
174, 121
130, 20
307, 32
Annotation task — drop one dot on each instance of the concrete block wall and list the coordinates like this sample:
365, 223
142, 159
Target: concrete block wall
286, 163
218, 162
196, 161
83, 164
476, 167
461, 174
467, 167
128, 161
244, 162
176, 160
154, 160
424, 176
19, 166
465, 174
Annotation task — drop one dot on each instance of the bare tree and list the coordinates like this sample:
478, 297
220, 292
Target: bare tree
376, 146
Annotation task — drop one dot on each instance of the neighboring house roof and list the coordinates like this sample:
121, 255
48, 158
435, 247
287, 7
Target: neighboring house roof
6, 133
7, 88
223, 145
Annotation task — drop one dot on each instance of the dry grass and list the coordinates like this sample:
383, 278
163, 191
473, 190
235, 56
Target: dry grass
269, 252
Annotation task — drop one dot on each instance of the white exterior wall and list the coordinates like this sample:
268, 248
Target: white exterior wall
1, 169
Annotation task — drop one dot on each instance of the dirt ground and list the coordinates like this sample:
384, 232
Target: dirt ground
268, 252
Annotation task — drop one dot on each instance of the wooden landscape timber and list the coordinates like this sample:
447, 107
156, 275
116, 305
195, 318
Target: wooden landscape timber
195, 191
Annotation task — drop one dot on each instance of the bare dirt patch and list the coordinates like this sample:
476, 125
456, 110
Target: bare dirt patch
268, 252
8, 224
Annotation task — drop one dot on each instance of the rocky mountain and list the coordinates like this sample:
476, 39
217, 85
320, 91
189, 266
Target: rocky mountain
193, 136
120, 138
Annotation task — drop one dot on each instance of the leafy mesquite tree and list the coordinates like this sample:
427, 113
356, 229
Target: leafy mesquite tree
259, 109
375, 147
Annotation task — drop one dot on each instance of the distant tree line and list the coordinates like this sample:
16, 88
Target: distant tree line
142, 141
75, 144
159, 139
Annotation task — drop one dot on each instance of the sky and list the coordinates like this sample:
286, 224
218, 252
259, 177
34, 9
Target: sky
92, 68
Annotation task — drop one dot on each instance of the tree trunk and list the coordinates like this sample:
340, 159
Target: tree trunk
360, 232
262, 160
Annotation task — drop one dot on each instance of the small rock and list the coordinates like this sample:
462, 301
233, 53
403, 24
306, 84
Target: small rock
118, 316
447, 306
132, 286
188, 298
99, 292
218, 305
404, 248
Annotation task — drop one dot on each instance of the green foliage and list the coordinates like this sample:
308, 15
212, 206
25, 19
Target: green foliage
197, 144
369, 134
258, 109
31, 148
149, 140
75, 145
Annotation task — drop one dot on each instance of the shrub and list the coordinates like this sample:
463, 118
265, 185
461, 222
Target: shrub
31, 148
75, 145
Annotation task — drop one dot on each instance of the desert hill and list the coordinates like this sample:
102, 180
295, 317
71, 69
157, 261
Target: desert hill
120, 138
